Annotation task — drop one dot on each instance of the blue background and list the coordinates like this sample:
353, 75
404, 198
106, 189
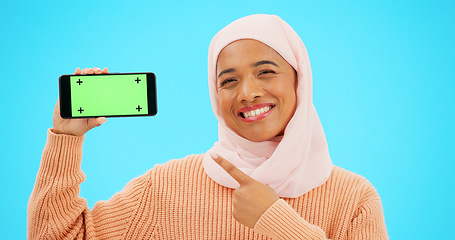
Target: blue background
383, 87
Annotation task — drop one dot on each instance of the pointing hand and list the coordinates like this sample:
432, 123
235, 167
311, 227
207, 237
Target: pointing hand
251, 198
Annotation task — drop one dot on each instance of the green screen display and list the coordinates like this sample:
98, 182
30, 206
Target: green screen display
108, 95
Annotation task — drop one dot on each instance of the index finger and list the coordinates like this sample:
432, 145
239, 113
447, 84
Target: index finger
232, 170
78, 71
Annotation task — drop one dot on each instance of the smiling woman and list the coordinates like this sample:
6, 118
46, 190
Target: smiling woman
256, 90
269, 176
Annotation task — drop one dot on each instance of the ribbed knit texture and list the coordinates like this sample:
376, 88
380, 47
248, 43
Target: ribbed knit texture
177, 200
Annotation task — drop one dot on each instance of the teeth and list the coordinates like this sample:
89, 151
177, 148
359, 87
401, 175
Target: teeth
256, 112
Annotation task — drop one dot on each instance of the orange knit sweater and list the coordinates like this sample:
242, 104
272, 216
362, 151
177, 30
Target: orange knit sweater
177, 200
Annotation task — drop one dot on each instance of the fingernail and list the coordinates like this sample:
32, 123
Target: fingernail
101, 121
213, 155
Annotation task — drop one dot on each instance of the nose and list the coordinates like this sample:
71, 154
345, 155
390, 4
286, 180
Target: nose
249, 90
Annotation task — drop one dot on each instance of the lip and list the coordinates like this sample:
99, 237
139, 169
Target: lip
254, 107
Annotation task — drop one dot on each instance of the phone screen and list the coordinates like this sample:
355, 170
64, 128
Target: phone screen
109, 95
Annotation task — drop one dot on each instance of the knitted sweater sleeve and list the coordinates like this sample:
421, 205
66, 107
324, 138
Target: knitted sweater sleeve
281, 221
55, 210
368, 219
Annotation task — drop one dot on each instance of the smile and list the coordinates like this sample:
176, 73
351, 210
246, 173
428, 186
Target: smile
255, 113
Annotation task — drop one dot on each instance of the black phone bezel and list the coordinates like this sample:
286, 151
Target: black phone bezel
65, 96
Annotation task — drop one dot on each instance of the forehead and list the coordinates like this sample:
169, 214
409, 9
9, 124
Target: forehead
245, 51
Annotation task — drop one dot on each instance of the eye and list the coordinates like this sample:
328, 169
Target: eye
227, 81
267, 72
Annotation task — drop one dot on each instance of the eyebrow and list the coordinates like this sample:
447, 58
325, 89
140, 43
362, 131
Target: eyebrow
264, 62
228, 70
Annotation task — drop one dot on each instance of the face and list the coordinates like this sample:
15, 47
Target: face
256, 90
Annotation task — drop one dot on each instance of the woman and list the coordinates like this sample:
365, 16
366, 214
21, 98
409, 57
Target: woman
269, 176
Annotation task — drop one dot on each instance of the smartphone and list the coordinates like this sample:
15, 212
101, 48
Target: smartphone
107, 95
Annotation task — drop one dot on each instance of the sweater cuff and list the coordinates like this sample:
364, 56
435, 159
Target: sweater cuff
62, 156
281, 221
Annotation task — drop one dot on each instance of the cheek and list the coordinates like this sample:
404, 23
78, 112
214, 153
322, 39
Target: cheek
292, 103
291, 99
224, 103
288, 95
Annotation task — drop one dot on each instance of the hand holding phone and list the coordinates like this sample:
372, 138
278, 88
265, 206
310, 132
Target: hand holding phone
76, 127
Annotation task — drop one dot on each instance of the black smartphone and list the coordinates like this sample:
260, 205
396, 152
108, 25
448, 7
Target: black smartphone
107, 95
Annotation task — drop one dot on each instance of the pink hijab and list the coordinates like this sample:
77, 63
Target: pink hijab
292, 164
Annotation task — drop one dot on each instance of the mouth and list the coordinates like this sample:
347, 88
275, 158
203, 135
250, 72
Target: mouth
256, 112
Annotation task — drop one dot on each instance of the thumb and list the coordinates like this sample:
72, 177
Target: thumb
96, 122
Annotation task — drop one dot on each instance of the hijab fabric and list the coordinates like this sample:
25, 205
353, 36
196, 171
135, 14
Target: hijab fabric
292, 164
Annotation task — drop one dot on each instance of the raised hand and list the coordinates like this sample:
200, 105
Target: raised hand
77, 127
251, 198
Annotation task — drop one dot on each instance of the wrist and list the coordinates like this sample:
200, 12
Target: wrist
58, 131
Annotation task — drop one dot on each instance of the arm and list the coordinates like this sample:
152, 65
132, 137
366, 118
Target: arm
281, 221
368, 221
55, 210
257, 206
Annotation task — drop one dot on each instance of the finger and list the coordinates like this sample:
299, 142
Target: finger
97, 70
89, 71
101, 120
95, 122
77, 71
105, 70
235, 173
84, 71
